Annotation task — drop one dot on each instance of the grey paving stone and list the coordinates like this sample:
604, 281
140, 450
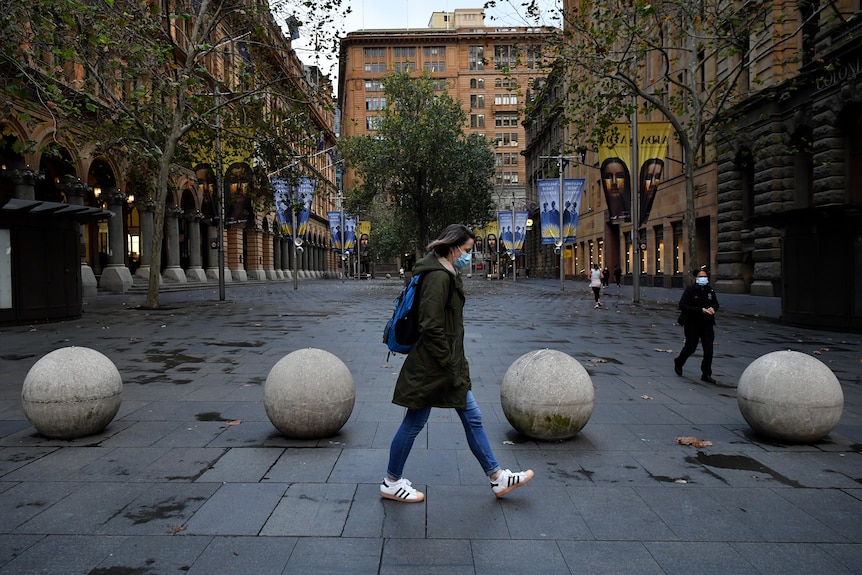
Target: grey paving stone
837, 509
23, 501
618, 514
163, 554
466, 512
163, 509
303, 465
236, 509
311, 510
242, 465
324, 556
695, 516
520, 556
704, 558
252, 555
608, 558
790, 558
427, 557
62, 555
13, 545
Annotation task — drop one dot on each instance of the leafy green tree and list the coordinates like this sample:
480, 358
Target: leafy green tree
141, 77
688, 60
418, 172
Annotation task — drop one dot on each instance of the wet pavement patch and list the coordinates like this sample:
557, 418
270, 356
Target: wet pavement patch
739, 463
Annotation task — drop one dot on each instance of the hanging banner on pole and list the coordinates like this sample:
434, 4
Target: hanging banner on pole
549, 197
520, 230
504, 224
289, 198
349, 233
335, 230
652, 151
615, 171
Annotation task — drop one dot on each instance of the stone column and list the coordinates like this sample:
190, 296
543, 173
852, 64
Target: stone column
236, 255
24, 182
74, 191
146, 212
173, 272
116, 277
268, 255
195, 273
278, 264
254, 253
286, 262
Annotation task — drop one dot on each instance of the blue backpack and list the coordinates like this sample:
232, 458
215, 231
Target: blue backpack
402, 330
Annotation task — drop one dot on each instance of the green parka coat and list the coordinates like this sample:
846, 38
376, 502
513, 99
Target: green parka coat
435, 372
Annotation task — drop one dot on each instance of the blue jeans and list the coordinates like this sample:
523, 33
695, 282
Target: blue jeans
415, 420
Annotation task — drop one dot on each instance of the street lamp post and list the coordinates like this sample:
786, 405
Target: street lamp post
220, 188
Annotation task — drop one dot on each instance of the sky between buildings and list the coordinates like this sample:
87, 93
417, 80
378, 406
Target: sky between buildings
381, 14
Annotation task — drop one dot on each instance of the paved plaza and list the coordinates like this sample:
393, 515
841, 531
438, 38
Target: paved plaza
192, 478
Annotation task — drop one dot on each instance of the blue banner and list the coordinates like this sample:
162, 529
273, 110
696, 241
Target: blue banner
512, 231
289, 198
551, 216
342, 228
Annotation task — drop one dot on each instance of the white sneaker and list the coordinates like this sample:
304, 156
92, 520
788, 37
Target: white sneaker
507, 481
400, 490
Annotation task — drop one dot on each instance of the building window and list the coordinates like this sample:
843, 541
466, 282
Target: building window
432, 51
375, 67
440, 84
405, 66
477, 120
678, 252
435, 66
506, 158
506, 119
477, 101
373, 86
504, 57
506, 139
477, 58
375, 53
373, 122
404, 52
506, 99
375, 103
534, 57
659, 248
506, 83
477, 83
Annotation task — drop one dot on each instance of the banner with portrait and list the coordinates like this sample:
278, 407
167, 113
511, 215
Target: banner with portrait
335, 230
614, 154
550, 215
364, 237
505, 224
293, 198
653, 140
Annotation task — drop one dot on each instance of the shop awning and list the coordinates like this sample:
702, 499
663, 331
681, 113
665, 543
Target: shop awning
81, 214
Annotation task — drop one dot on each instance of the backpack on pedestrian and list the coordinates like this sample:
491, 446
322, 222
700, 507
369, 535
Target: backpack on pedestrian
402, 330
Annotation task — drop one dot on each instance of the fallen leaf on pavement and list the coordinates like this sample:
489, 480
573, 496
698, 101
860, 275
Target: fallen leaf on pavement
694, 441
646, 397
821, 350
664, 350
177, 529
234, 422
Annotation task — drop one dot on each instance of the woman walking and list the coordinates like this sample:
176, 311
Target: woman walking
436, 374
596, 284
698, 304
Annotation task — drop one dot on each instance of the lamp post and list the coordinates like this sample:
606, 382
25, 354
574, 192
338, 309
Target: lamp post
220, 188
636, 237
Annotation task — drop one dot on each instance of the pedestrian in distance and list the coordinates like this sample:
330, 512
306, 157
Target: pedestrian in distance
606, 277
596, 284
618, 274
435, 372
698, 305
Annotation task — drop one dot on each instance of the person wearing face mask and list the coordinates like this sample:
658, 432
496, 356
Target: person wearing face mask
698, 304
435, 372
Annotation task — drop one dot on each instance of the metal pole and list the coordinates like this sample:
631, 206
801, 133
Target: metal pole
343, 247
220, 188
562, 242
293, 243
514, 252
636, 237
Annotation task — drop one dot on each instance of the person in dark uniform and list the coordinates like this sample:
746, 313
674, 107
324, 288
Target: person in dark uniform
698, 304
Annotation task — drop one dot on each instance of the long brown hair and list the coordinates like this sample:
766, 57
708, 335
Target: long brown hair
454, 235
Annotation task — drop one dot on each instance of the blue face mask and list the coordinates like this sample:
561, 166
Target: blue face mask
463, 260
702, 281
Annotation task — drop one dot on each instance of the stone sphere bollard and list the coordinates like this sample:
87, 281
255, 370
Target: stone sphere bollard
309, 394
547, 395
790, 396
72, 392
